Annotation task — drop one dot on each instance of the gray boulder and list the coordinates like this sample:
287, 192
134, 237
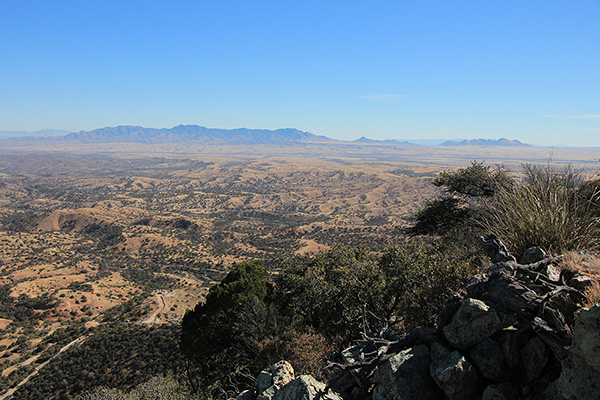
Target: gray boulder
489, 360
532, 255
586, 336
305, 387
405, 376
473, 322
264, 381
496, 249
454, 374
268, 393
343, 381
534, 357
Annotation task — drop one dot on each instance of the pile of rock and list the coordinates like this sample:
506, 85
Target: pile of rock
516, 332
279, 383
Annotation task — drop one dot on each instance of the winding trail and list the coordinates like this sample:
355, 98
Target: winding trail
37, 369
162, 305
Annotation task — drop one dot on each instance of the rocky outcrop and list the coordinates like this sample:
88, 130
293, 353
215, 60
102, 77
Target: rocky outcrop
279, 383
515, 332
405, 376
579, 377
473, 322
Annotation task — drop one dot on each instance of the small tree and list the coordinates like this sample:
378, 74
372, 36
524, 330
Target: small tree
223, 334
457, 210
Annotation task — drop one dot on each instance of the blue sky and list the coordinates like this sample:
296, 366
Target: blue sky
527, 69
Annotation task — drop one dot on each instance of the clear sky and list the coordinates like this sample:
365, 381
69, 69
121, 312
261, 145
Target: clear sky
528, 70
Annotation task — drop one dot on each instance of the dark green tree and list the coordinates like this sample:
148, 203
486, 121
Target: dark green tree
223, 334
457, 209
474, 181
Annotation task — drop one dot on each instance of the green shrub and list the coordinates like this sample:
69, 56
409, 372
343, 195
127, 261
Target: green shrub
331, 291
441, 216
420, 279
344, 291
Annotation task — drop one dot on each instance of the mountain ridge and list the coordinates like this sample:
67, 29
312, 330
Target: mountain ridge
196, 133
218, 136
486, 142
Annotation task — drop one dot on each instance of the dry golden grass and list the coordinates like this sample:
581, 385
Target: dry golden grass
588, 264
4, 323
592, 294
311, 247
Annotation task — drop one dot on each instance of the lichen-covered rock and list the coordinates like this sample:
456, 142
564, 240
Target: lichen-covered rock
489, 360
579, 377
473, 322
534, 356
405, 376
282, 373
551, 272
305, 387
269, 383
586, 336
454, 374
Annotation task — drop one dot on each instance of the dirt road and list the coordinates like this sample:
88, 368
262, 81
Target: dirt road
162, 305
37, 369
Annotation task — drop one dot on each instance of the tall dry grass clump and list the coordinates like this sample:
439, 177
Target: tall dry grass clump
556, 210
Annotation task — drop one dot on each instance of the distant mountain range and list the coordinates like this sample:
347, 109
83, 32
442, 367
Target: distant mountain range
485, 142
226, 137
185, 133
44, 132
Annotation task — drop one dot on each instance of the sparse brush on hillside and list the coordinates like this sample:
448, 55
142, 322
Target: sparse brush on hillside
157, 388
556, 210
117, 355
